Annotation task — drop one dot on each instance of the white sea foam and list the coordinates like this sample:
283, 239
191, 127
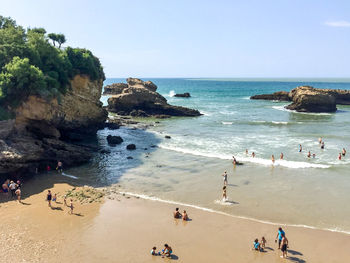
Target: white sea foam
256, 160
282, 108
172, 93
156, 199
227, 123
70, 176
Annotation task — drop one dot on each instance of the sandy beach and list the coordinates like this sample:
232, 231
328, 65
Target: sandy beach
124, 229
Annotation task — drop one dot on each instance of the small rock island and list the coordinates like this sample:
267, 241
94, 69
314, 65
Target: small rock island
140, 99
309, 99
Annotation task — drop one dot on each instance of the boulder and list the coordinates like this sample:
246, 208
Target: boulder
138, 113
115, 88
112, 125
114, 139
280, 95
131, 147
183, 95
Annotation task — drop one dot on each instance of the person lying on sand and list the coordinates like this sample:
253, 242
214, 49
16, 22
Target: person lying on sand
177, 213
167, 250
256, 245
184, 216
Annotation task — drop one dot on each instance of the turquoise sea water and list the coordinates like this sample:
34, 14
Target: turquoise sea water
187, 168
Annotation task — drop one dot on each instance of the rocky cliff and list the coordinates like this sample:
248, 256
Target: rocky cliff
139, 98
309, 99
43, 131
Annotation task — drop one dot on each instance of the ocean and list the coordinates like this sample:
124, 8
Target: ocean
187, 169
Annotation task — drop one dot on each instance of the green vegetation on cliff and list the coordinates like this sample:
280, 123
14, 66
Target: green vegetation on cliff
33, 63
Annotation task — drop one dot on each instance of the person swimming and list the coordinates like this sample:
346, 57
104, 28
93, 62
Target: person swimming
281, 156
300, 148
322, 145
309, 154
313, 155
253, 154
246, 151
343, 152
339, 157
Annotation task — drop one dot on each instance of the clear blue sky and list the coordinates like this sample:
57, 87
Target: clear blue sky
188, 38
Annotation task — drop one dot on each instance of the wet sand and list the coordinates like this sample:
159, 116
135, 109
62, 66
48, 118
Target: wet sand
124, 229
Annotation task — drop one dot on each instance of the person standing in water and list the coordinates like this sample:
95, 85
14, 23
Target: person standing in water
309, 154
300, 148
225, 178
281, 156
273, 159
343, 152
339, 157
224, 195
322, 145
253, 154
246, 151
320, 140
234, 161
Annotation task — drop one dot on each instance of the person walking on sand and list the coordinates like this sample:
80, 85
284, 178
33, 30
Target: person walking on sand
18, 194
263, 242
71, 207
279, 236
225, 177
281, 156
284, 246
13, 187
49, 197
224, 195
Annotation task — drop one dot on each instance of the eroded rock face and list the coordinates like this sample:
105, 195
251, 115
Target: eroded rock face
309, 99
41, 133
141, 99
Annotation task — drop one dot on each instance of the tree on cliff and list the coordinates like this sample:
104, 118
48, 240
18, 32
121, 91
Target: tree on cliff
30, 64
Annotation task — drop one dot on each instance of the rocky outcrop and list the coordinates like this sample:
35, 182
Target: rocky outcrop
309, 99
280, 95
112, 140
183, 95
141, 99
115, 88
43, 130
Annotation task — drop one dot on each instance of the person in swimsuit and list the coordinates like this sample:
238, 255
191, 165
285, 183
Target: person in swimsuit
322, 145
309, 154
176, 213
273, 159
246, 151
167, 250
225, 178
284, 246
343, 152
300, 148
234, 161
18, 194
256, 245
184, 216
153, 252
49, 197
320, 140
281, 156
339, 157
279, 236
224, 196
253, 154
263, 242
54, 198
71, 207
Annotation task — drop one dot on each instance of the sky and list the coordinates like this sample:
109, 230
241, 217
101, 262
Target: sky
206, 38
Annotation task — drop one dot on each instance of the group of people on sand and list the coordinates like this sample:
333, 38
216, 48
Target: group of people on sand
178, 215
166, 251
13, 187
53, 198
282, 243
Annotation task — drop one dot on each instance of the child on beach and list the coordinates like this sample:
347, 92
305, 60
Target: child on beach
184, 216
154, 253
256, 245
167, 250
224, 196
54, 198
71, 207
263, 242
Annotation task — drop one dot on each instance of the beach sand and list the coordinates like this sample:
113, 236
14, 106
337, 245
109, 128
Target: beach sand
124, 229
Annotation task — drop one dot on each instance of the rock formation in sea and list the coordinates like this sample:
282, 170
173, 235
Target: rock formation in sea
309, 99
183, 95
43, 130
140, 99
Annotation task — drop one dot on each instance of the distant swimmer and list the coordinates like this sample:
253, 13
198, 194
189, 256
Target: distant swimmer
225, 178
322, 145
253, 154
339, 156
343, 152
300, 148
320, 140
246, 151
224, 195
281, 156
273, 158
309, 154
313, 155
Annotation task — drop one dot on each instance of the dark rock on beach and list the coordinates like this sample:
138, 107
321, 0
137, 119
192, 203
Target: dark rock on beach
114, 139
140, 99
131, 147
309, 99
167, 137
183, 95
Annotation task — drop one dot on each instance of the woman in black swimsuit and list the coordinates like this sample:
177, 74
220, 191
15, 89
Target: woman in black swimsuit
49, 197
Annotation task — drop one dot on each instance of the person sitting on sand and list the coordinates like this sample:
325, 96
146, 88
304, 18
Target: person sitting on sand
281, 156
71, 207
253, 154
343, 152
309, 154
49, 197
184, 216
225, 177
18, 194
176, 213
167, 250
54, 198
256, 245
339, 157
273, 159
284, 246
263, 242
279, 236
153, 252
300, 148
322, 145
224, 196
